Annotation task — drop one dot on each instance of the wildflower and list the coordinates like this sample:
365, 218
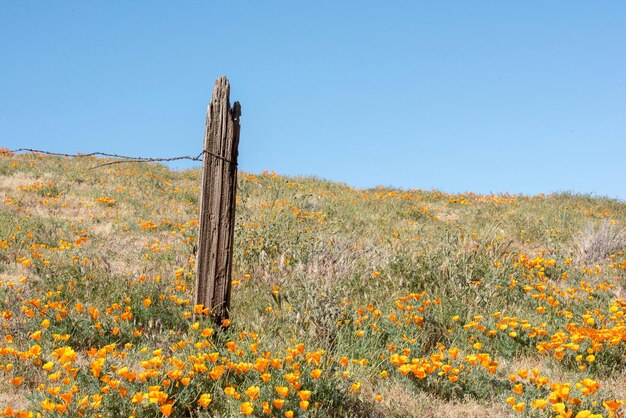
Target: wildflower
216, 372
291, 378
587, 414
282, 391
304, 395
454, 352
47, 405
355, 387
136, 398
590, 386
611, 405
205, 400
253, 392
246, 408
66, 397
166, 409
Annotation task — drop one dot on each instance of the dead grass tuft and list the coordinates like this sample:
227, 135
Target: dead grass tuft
598, 241
398, 401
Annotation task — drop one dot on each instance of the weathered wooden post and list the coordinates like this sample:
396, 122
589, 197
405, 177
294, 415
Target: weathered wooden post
217, 203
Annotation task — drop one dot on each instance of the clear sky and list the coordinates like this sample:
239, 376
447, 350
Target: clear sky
485, 96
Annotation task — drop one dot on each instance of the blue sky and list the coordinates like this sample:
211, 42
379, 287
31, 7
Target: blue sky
485, 96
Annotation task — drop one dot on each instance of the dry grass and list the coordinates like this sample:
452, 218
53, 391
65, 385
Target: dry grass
597, 241
313, 259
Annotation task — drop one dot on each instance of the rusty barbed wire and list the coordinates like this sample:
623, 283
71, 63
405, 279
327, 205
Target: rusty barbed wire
123, 158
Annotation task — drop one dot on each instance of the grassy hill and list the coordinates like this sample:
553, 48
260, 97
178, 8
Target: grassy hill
345, 302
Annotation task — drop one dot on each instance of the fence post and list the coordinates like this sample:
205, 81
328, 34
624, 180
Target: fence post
217, 203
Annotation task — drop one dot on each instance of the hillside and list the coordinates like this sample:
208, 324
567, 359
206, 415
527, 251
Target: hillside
345, 302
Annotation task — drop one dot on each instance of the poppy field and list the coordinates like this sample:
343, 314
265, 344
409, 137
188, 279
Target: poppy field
345, 302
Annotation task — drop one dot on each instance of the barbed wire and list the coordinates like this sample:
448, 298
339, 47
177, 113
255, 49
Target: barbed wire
123, 158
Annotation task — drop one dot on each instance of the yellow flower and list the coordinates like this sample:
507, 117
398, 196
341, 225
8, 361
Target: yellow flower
539, 403
253, 392
216, 372
355, 387
282, 391
304, 395
454, 352
47, 405
246, 408
291, 378
205, 400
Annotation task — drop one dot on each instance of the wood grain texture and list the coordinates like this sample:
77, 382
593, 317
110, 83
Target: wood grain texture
217, 203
